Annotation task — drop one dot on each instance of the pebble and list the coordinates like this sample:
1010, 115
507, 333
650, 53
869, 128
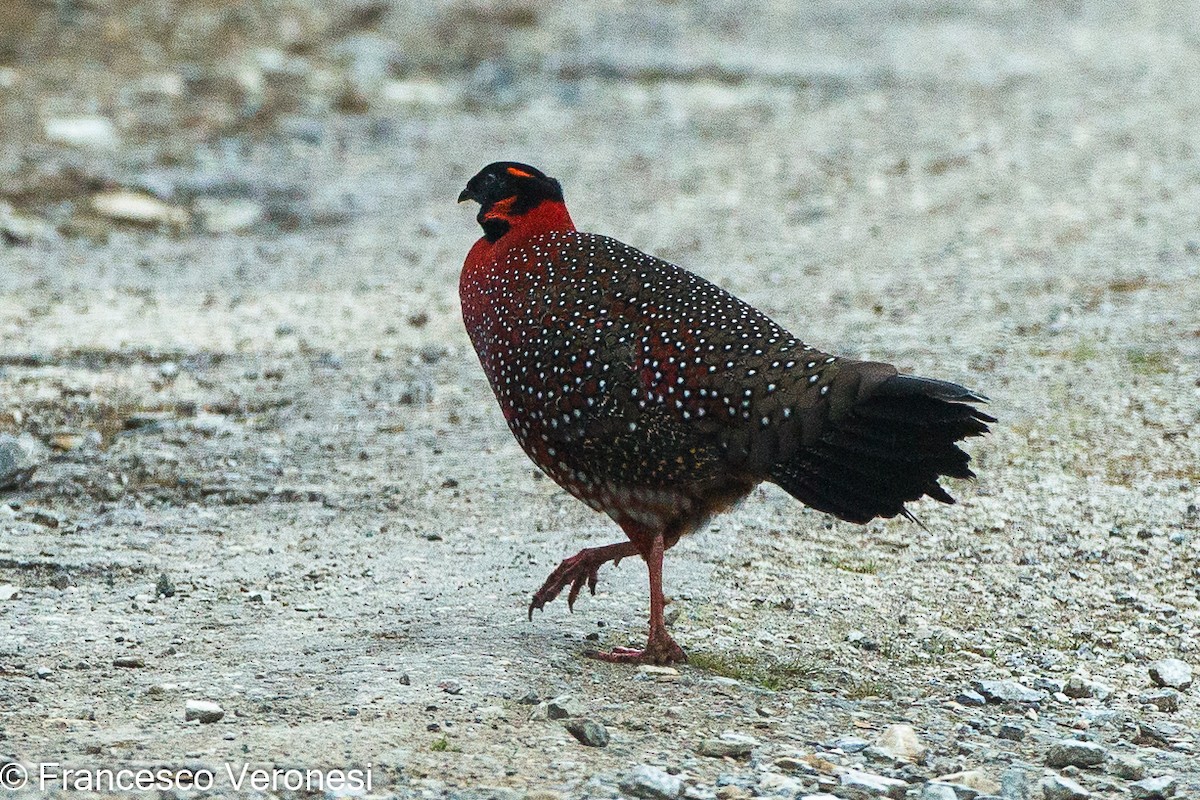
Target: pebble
588, 732
974, 779
935, 790
1008, 692
853, 779
43, 673
1155, 734
651, 783
564, 706
1014, 784
772, 783
661, 673
1128, 767
450, 687
1011, 731
9, 592
902, 743
202, 710
1162, 699
91, 132
970, 698
137, 208
1154, 788
130, 662
1079, 687
851, 744
1171, 673
729, 745
20, 229
1074, 753
1057, 787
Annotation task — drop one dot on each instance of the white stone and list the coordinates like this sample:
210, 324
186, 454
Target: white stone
94, 132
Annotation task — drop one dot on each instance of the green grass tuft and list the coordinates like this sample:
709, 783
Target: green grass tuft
771, 674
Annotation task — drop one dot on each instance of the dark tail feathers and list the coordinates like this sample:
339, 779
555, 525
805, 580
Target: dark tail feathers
888, 449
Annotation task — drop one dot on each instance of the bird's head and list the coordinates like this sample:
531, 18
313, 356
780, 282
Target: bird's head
506, 192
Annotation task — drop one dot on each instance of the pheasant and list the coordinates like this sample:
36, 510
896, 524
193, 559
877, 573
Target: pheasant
660, 399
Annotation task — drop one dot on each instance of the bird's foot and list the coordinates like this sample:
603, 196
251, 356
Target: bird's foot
660, 649
579, 570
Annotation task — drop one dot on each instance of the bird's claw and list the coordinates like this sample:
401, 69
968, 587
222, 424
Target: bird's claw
660, 649
581, 569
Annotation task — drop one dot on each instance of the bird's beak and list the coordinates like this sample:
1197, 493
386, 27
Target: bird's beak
465, 195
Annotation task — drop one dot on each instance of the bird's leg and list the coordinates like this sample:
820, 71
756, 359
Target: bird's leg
660, 647
581, 568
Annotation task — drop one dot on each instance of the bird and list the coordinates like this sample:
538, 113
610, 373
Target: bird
660, 399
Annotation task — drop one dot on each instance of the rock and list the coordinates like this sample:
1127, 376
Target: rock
856, 780
1162, 699
772, 783
729, 745
264, 596
588, 732
1156, 734
530, 698
137, 208
860, 639
8, 592
564, 706
164, 586
218, 215
1014, 784
19, 229
129, 662
450, 686
202, 710
90, 132
1127, 767
1074, 753
657, 671
651, 783
1079, 687
974, 779
1008, 692
1171, 673
16, 461
902, 743
935, 790
1154, 788
1057, 787
404, 680
851, 744
1012, 731
43, 673
970, 698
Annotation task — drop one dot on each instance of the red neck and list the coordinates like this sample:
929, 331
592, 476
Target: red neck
549, 215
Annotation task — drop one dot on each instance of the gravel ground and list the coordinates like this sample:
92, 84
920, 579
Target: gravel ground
248, 457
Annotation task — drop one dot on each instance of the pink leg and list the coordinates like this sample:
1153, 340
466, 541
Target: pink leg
660, 647
583, 567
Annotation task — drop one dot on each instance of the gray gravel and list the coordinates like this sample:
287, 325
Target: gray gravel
244, 440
